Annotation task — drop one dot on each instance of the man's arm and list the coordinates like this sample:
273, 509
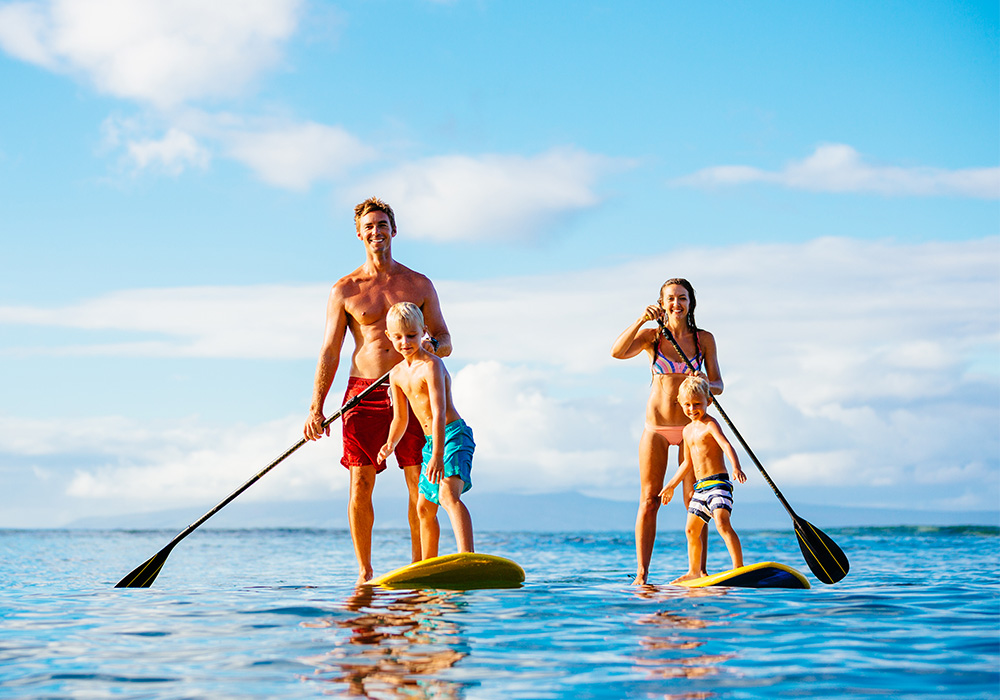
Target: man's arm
326, 367
434, 320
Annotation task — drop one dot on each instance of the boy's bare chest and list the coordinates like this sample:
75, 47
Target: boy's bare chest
702, 445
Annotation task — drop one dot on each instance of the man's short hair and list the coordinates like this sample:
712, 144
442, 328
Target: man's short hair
373, 204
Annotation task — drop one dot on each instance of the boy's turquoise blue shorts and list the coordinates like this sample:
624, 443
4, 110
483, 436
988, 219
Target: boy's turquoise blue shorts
458, 449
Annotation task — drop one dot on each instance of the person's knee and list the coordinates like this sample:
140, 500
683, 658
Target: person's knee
694, 528
363, 478
450, 492
649, 503
426, 509
412, 477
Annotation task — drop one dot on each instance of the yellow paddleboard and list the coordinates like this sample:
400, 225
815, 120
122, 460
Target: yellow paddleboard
766, 574
460, 571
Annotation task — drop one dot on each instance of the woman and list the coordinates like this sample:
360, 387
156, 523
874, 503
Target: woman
665, 420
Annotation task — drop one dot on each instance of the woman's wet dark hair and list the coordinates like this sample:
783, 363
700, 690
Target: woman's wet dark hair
690, 290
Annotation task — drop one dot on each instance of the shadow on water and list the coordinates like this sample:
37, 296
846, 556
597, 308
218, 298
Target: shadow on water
392, 644
422, 644
670, 647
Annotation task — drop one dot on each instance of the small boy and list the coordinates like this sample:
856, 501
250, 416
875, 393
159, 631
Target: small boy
704, 445
445, 474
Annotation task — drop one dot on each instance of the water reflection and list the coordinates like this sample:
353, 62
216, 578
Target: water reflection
671, 631
395, 645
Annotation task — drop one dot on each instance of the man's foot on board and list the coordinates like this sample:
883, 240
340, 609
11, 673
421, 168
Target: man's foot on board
688, 577
640, 580
364, 578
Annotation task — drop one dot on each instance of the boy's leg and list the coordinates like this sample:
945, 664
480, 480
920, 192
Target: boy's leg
688, 493
412, 475
693, 530
361, 516
732, 540
450, 493
430, 532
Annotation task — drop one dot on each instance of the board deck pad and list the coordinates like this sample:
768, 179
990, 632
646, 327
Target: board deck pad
462, 571
767, 574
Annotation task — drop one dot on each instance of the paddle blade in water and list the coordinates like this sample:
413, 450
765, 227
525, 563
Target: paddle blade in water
826, 560
144, 574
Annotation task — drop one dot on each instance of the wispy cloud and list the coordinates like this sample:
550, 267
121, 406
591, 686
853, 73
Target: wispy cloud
174, 153
840, 168
462, 197
264, 321
174, 463
846, 362
160, 52
295, 156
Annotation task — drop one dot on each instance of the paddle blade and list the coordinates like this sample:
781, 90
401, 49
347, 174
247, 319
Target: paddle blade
143, 575
826, 560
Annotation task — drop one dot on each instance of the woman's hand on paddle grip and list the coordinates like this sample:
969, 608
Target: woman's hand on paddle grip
653, 312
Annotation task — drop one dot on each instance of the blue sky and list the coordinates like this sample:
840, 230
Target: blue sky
176, 186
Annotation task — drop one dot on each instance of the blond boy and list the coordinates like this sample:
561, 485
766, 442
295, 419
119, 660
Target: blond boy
705, 449
422, 380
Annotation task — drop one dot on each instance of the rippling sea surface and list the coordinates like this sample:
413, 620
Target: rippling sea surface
274, 614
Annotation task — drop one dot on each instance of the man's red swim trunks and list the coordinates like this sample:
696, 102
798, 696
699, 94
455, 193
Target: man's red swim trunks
366, 428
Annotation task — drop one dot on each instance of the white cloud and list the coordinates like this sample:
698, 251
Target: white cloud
295, 156
162, 52
852, 368
173, 153
531, 441
840, 168
175, 463
490, 196
269, 321
287, 154
23, 29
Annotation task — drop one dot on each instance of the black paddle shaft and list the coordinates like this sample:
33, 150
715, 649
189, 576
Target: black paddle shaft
824, 557
144, 575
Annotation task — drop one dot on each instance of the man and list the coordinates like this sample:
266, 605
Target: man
358, 303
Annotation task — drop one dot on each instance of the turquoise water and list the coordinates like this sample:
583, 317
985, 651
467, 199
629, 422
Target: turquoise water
272, 614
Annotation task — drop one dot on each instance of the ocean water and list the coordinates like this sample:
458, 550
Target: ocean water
274, 614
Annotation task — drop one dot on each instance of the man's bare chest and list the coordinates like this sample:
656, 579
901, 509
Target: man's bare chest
370, 305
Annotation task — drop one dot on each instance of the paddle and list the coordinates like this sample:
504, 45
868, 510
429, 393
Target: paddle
144, 574
826, 560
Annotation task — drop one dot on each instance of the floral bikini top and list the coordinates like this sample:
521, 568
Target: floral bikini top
664, 365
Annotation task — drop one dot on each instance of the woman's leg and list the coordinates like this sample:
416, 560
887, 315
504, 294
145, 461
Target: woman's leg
652, 468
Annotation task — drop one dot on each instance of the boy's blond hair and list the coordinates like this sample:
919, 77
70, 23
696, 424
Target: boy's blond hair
407, 314
695, 385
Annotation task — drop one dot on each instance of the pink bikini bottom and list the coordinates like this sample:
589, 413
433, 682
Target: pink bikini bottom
673, 434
